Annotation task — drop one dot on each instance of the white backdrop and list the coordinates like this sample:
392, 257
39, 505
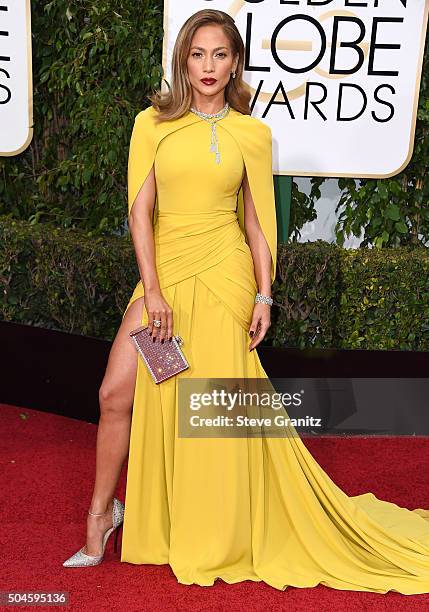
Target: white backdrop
315, 141
16, 89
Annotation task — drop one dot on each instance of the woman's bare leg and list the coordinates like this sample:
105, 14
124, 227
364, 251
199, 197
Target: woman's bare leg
116, 396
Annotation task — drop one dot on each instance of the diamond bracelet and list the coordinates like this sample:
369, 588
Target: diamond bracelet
264, 299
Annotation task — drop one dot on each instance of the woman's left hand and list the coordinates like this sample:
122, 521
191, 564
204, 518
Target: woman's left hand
261, 321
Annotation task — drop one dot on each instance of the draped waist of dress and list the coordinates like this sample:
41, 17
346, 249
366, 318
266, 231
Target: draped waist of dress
187, 243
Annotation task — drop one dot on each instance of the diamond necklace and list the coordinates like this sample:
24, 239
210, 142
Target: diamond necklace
213, 119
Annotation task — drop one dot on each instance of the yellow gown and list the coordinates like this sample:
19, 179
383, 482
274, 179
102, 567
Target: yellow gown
237, 509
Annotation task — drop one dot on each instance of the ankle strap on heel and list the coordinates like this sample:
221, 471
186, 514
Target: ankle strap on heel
97, 514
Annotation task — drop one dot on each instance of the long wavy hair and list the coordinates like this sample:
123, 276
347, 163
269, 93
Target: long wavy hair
177, 100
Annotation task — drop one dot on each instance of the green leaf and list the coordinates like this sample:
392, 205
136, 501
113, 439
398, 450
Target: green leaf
401, 227
392, 212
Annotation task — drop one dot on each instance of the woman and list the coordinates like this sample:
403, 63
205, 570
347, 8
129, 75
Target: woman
202, 219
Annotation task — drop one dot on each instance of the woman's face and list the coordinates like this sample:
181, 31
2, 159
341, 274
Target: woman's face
210, 58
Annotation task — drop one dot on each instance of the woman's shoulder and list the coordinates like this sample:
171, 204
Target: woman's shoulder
147, 114
253, 124
145, 126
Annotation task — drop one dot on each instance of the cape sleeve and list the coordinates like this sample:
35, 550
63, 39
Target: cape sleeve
141, 154
256, 145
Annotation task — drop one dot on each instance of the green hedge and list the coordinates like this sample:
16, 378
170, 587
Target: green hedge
63, 280
325, 296
366, 298
384, 299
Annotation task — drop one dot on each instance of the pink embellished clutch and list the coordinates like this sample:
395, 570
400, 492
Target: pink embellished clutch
163, 359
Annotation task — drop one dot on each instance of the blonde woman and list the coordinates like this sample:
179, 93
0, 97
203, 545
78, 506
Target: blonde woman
203, 224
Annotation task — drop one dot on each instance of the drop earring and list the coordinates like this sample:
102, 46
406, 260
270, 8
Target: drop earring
233, 74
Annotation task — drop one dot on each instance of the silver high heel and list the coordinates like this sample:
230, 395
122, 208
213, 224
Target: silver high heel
81, 559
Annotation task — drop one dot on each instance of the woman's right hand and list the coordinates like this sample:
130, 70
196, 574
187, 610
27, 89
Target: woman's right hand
158, 309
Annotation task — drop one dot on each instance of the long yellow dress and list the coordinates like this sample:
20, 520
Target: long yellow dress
258, 509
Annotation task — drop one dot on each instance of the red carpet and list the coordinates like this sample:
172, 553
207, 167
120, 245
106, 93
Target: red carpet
47, 473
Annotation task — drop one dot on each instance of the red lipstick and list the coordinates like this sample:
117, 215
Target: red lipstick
208, 81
